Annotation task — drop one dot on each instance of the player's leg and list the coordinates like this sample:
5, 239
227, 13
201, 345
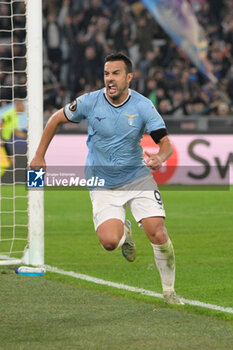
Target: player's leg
128, 247
109, 221
111, 233
163, 251
164, 255
148, 209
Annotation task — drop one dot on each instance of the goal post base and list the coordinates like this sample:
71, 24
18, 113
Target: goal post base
26, 260
9, 261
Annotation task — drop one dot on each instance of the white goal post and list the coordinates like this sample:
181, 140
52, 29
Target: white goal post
33, 251
35, 126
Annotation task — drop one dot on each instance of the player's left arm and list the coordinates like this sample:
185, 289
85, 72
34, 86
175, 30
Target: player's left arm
157, 129
155, 161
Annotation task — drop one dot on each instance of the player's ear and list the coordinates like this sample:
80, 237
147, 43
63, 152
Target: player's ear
129, 77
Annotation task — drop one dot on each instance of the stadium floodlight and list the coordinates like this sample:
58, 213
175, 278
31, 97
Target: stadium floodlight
21, 211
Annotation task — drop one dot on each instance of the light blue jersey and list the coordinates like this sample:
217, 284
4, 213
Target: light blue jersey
114, 135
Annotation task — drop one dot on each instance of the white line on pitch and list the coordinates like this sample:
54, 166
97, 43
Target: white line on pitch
133, 289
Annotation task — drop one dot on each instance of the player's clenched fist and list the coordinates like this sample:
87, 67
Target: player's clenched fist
153, 161
38, 163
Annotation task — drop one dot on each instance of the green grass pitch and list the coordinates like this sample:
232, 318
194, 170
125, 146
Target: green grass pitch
198, 222
60, 312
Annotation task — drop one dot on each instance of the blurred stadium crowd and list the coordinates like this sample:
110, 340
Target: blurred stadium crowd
79, 34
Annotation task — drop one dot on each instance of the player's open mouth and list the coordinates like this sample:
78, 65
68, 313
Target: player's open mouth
112, 88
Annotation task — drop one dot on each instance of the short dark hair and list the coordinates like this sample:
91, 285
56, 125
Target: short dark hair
120, 56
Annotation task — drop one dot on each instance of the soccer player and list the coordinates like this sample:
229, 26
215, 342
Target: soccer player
9, 128
117, 118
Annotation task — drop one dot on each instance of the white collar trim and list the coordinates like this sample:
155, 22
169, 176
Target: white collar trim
129, 94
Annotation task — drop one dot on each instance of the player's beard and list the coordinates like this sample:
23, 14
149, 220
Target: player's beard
120, 92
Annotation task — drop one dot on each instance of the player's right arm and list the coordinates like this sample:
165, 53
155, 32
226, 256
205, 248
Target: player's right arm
49, 131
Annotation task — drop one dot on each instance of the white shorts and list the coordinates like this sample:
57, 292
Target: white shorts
111, 203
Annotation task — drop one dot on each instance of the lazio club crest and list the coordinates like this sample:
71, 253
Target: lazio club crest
131, 118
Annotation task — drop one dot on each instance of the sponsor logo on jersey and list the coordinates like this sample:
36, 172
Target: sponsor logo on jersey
99, 119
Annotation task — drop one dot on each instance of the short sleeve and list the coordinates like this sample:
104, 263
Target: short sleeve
152, 118
78, 109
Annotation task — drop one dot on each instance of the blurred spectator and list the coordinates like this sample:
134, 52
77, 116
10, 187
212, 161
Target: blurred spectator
52, 36
145, 32
91, 70
5, 23
10, 134
150, 91
165, 107
138, 81
223, 109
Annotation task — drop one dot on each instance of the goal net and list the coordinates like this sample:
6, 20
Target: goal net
21, 123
